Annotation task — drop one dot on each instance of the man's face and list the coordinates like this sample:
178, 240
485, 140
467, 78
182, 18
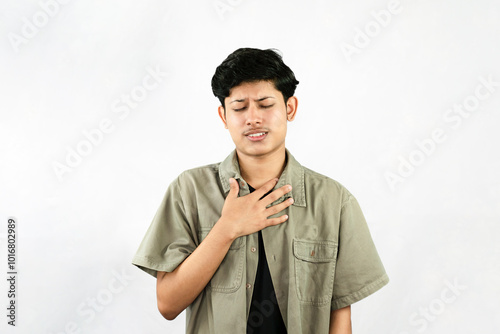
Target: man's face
256, 117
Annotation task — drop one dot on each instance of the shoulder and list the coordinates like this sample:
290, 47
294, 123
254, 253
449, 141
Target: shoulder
201, 170
191, 183
198, 175
325, 185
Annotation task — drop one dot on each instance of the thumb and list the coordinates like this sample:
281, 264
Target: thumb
234, 188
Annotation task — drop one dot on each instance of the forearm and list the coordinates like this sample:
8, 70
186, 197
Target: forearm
178, 289
340, 321
240, 216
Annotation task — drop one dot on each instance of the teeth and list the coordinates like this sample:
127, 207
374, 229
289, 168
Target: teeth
257, 134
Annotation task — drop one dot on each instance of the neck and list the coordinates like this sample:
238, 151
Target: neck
257, 170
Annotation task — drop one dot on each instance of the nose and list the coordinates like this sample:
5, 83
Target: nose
254, 115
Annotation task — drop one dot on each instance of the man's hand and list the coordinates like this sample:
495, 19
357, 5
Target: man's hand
240, 216
248, 214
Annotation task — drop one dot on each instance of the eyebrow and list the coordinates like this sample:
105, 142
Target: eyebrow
258, 100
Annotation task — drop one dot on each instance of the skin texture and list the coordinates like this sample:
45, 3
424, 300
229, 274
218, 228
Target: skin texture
240, 216
340, 321
258, 106
250, 107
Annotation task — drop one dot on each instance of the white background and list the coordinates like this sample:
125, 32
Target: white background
361, 113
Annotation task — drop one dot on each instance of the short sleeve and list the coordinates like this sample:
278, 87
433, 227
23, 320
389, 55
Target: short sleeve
168, 240
359, 271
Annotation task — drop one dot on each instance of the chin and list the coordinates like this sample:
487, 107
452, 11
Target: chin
256, 151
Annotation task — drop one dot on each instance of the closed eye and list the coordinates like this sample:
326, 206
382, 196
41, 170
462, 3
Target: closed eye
268, 106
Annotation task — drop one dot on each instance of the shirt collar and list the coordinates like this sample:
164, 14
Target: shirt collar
292, 174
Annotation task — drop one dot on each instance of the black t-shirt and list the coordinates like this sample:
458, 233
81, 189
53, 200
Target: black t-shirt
265, 316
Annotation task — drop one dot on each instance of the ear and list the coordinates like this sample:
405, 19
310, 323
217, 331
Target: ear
222, 115
291, 108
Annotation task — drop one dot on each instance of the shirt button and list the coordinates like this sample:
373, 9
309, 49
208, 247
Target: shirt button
253, 249
242, 184
249, 285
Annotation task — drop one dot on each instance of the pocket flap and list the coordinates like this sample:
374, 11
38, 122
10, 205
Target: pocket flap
314, 251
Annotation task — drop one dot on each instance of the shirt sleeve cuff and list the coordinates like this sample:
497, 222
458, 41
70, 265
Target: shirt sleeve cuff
360, 294
152, 267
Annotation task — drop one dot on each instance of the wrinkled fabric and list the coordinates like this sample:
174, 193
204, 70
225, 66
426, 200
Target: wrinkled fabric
321, 259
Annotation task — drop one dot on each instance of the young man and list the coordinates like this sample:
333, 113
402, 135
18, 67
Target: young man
259, 243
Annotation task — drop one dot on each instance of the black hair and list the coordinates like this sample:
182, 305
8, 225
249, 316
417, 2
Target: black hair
250, 65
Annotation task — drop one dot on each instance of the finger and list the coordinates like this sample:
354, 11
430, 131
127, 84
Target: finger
276, 221
278, 207
276, 194
265, 188
233, 188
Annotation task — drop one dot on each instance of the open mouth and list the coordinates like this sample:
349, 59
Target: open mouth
257, 136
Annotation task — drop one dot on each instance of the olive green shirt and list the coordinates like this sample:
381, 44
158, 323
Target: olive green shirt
321, 259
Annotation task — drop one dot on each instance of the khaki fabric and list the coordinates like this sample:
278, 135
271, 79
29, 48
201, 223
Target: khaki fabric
323, 258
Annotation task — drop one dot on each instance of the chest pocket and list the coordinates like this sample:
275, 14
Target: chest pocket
229, 275
314, 270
